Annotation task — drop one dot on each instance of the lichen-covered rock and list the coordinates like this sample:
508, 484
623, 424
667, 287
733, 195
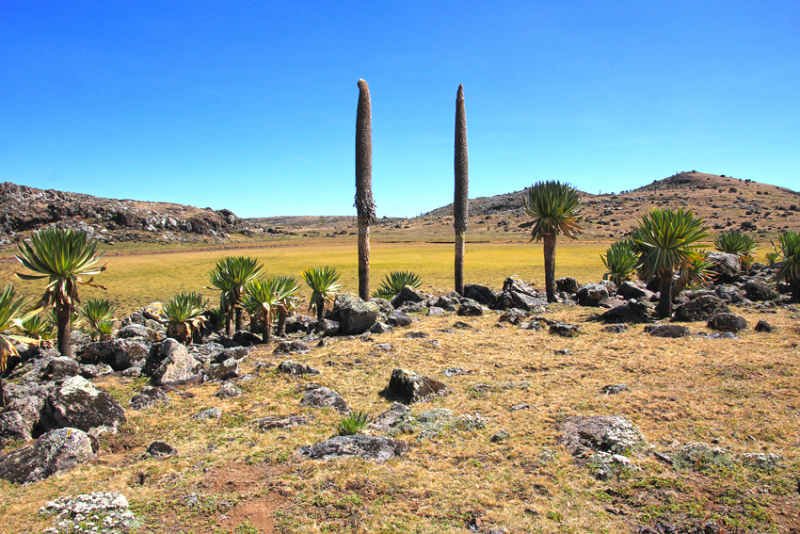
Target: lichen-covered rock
378, 448
28, 400
725, 267
226, 370
76, 403
390, 418
634, 290
759, 290
13, 427
169, 363
567, 285
54, 452
228, 390
701, 457
160, 449
149, 397
120, 354
667, 330
293, 368
353, 314
479, 294
565, 329
398, 318
409, 387
592, 294
323, 397
107, 510
585, 436
469, 308
292, 347
271, 422
700, 309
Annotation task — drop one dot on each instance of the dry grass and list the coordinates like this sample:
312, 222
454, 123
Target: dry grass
743, 392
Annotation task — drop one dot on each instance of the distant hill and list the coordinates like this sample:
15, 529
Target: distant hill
108, 220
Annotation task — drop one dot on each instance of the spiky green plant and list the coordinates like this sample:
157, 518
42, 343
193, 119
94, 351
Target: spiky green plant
772, 258
96, 311
353, 423
555, 209
699, 271
620, 260
669, 241
324, 284
39, 327
217, 316
394, 282
12, 316
788, 250
262, 300
184, 314
105, 329
735, 243
230, 275
65, 258
287, 294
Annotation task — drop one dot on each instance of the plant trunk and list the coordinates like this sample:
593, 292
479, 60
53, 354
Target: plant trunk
64, 332
2, 393
239, 320
461, 196
282, 324
664, 308
320, 310
365, 206
229, 323
267, 327
550, 266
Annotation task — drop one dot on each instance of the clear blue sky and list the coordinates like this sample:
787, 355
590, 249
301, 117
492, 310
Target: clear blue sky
251, 105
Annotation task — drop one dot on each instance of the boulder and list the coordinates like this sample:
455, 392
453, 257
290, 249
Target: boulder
142, 332
398, 318
634, 290
76, 403
479, 294
763, 326
290, 367
90, 371
228, 390
615, 328
725, 267
515, 284
54, 452
700, 309
727, 322
434, 311
409, 387
29, 401
380, 328
407, 295
148, 397
469, 308
169, 363
383, 305
565, 329
592, 294
567, 285
271, 422
300, 323
220, 372
667, 330
327, 327
292, 347
61, 368
602, 443
729, 293
246, 339
120, 354
527, 302
447, 303
759, 290
633, 312
160, 449
378, 448
323, 397
390, 418
14, 427
353, 314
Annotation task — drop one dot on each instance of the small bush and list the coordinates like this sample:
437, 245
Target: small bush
353, 423
394, 283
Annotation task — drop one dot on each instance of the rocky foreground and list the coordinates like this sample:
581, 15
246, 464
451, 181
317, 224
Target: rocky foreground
55, 418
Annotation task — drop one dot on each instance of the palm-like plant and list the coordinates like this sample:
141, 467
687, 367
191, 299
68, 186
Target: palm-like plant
324, 285
66, 259
620, 260
788, 249
287, 294
737, 243
12, 316
97, 312
38, 327
555, 210
230, 275
699, 271
184, 314
394, 282
261, 299
669, 241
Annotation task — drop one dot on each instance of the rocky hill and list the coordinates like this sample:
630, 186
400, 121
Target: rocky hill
108, 220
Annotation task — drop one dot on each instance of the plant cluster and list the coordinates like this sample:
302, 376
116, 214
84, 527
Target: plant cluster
394, 282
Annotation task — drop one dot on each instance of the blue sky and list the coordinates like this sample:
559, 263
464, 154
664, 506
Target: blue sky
251, 105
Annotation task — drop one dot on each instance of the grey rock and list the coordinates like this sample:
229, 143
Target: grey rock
613, 390
725, 267
353, 314
149, 397
327, 327
500, 436
208, 413
447, 303
14, 427
667, 330
292, 347
76, 403
228, 390
759, 290
634, 290
435, 311
383, 305
718, 335
226, 370
409, 387
90, 371
266, 424
567, 285
454, 371
323, 397
469, 308
729, 293
407, 295
615, 328
633, 312
120, 354
61, 368
398, 318
479, 294
461, 325
762, 461
416, 335
565, 329
54, 452
29, 401
727, 322
246, 339
585, 436
700, 309
175, 364
528, 303
389, 419
592, 294
378, 448
381, 328
763, 326
296, 369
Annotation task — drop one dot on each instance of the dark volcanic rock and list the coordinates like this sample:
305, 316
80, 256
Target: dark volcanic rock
149, 397
296, 369
120, 354
567, 285
725, 267
727, 322
633, 312
763, 326
758, 290
292, 347
409, 387
388, 419
565, 329
583, 436
78, 404
14, 427
398, 318
323, 397
169, 363
592, 294
280, 421
700, 309
407, 295
60, 368
667, 330
219, 372
54, 452
634, 290
160, 449
377, 448
479, 294
469, 308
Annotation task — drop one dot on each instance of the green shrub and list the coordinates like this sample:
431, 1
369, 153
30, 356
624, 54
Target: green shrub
620, 260
353, 423
394, 282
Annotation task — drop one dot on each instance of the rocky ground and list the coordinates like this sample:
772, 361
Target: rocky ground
493, 412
